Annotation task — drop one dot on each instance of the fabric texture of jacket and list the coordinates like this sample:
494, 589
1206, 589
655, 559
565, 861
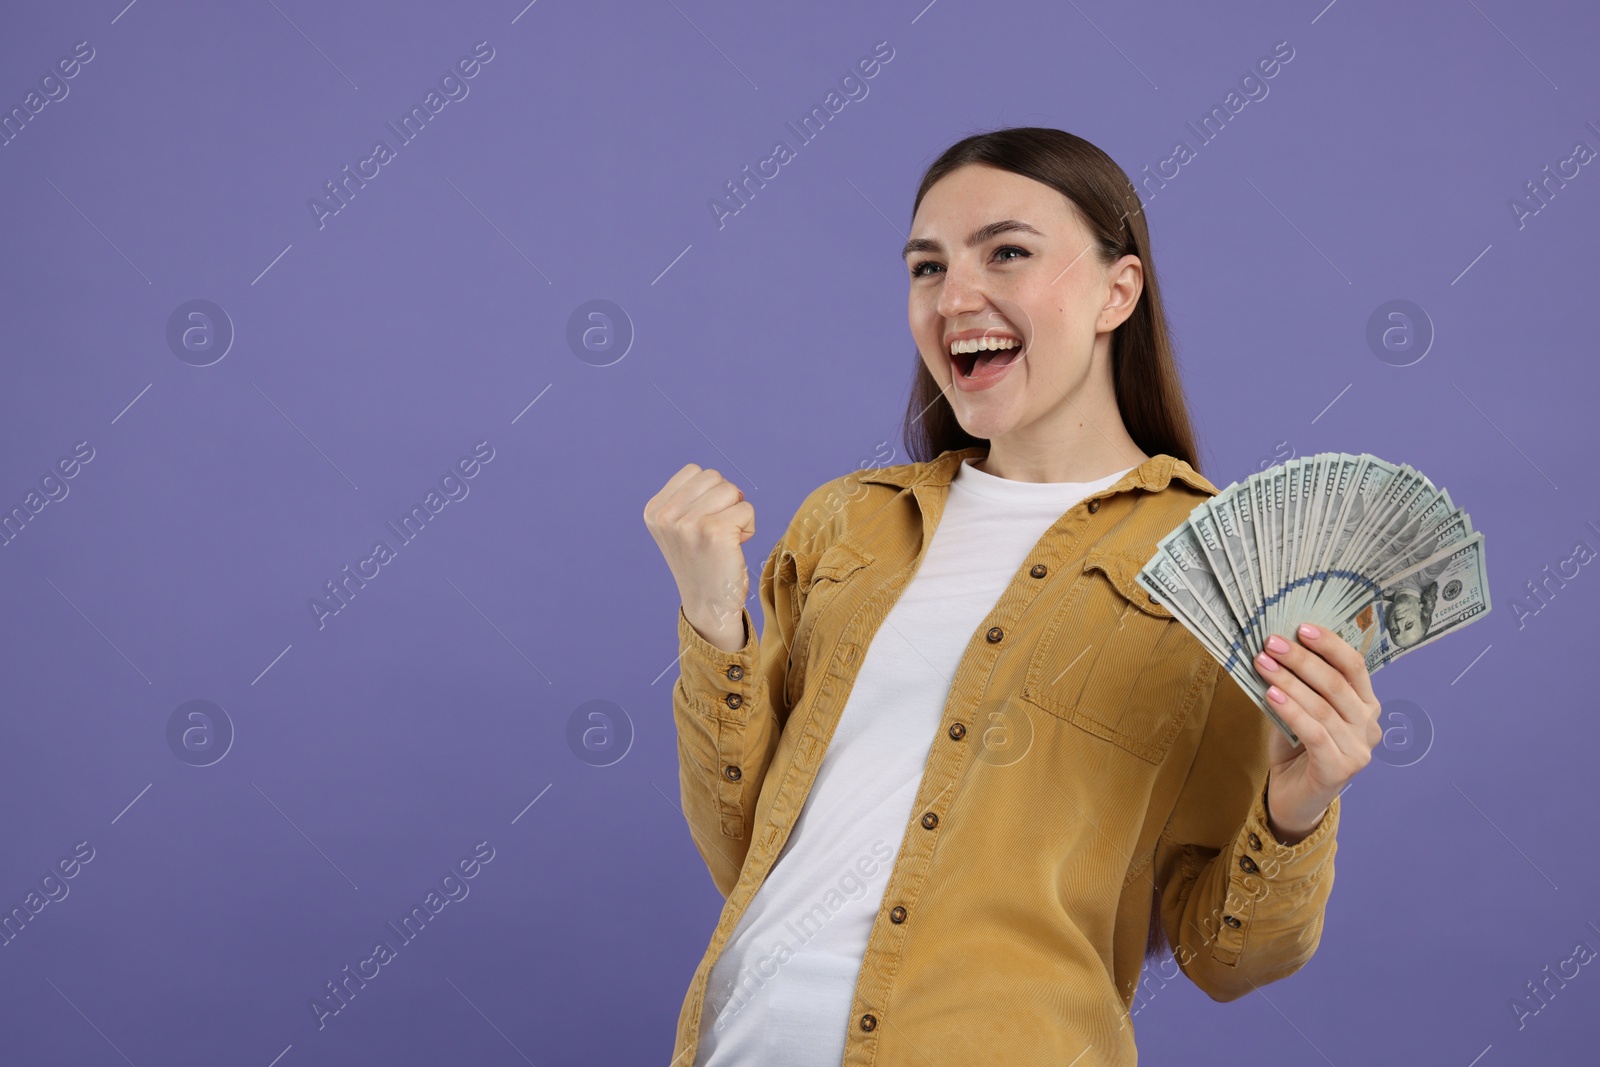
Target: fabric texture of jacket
1093, 765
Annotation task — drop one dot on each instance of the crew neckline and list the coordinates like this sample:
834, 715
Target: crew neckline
994, 487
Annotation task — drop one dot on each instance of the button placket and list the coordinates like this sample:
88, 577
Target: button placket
930, 820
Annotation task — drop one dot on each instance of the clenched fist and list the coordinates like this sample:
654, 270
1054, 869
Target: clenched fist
701, 521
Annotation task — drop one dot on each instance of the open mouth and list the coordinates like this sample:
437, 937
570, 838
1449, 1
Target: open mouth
996, 353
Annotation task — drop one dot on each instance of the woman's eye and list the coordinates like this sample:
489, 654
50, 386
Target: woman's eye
918, 272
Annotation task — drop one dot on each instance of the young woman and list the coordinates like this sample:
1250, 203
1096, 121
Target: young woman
972, 775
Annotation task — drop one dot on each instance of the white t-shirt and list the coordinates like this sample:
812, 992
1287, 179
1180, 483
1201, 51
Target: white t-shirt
781, 990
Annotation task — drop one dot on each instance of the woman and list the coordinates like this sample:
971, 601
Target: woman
972, 775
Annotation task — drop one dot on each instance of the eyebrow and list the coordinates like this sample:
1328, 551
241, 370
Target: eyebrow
976, 237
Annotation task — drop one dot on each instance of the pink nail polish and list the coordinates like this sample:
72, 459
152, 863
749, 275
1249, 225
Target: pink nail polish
1267, 662
1309, 631
1276, 695
1277, 644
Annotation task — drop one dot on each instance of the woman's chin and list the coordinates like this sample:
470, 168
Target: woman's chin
984, 420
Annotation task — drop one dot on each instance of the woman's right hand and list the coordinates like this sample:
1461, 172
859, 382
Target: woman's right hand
700, 520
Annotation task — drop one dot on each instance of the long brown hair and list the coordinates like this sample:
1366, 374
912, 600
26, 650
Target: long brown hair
1144, 372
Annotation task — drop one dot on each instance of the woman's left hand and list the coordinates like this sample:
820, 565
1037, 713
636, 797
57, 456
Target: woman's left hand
1320, 687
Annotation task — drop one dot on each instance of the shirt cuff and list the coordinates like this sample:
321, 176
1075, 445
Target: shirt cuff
1259, 851
1270, 883
721, 680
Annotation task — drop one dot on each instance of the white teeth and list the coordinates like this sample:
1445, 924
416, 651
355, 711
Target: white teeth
982, 344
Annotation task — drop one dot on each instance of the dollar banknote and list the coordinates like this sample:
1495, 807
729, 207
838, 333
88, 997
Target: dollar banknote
1370, 550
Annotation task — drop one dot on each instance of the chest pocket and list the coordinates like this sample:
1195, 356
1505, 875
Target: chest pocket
1114, 662
818, 584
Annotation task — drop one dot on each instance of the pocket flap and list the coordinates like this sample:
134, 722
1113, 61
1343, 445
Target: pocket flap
1122, 570
840, 560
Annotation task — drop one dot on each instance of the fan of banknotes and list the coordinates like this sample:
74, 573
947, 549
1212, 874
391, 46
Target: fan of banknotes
1372, 551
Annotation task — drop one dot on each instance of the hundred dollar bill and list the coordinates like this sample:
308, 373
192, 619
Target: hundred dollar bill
1371, 550
1420, 604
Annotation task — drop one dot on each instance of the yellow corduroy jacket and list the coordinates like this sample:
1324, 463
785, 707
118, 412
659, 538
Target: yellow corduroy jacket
1093, 763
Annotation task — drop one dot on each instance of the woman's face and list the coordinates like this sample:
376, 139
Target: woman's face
1032, 276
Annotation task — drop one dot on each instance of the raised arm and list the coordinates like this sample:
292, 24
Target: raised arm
730, 703
730, 710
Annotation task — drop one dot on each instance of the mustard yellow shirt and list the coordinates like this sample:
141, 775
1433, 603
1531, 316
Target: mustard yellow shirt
1093, 764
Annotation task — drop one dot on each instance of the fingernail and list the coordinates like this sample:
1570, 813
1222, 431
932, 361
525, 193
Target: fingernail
1267, 662
1309, 631
1277, 644
1276, 695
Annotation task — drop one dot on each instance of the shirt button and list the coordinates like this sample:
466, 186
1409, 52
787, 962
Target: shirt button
1255, 842
995, 634
733, 773
1231, 921
1248, 864
869, 1022
930, 820
1039, 570
1094, 506
735, 672
958, 730
898, 915
733, 700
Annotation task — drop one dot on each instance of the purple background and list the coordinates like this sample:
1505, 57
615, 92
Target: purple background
371, 354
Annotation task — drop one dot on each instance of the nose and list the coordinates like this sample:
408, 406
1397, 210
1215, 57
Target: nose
960, 293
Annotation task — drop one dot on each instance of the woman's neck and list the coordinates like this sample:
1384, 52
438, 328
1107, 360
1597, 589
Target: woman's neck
1057, 465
